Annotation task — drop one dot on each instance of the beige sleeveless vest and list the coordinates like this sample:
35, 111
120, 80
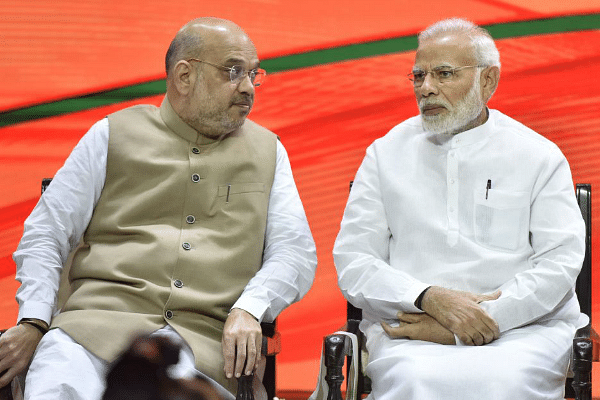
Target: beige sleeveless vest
175, 237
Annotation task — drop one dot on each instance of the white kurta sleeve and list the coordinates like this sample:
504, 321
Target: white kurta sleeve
557, 233
57, 223
289, 258
362, 250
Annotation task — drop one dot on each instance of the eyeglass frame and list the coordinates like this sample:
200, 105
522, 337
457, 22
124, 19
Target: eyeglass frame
257, 72
411, 75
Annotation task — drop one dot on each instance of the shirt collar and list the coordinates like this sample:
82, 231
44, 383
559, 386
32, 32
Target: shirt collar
179, 127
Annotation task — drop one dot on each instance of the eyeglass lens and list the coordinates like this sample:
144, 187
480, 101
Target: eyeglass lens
237, 72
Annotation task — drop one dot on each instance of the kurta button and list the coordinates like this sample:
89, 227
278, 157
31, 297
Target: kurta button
178, 284
195, 150
169, 314
195, 178
186, 246
190, 219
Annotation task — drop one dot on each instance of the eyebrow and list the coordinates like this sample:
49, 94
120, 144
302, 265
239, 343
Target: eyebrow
443, 65
238, 61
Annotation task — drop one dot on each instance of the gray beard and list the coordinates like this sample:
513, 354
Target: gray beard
458, 117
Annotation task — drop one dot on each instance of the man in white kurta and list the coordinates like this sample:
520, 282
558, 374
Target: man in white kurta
461, 234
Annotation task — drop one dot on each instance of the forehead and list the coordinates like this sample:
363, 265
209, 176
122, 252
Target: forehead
230, 49
451, 50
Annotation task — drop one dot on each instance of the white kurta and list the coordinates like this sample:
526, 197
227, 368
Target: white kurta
420, 213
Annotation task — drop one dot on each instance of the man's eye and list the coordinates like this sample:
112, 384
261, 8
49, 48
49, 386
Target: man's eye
445, 73
237, 70
418, 76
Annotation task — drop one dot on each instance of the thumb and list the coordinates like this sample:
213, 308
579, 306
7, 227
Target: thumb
490, 296
407, 317
393, 332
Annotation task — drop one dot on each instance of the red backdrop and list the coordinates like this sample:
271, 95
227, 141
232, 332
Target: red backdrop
326, 115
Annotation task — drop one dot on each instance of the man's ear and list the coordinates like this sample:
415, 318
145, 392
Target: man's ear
184, 77
489, 82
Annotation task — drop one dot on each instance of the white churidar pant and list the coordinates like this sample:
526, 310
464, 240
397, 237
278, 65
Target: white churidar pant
62, 369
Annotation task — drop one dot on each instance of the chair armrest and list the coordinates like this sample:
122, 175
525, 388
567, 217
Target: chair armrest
335, 349
271, 346
585, 351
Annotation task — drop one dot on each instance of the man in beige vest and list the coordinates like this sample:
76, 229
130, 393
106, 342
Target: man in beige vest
190, 225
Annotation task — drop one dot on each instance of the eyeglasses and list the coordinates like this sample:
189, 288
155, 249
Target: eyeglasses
441, 74
237, 72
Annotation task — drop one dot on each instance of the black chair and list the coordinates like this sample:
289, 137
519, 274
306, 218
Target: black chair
585, 344
270, 348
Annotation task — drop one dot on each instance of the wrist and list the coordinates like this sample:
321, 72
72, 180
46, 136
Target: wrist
419, 300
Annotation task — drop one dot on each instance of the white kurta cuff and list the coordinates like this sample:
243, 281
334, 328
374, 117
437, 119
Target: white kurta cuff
408, 301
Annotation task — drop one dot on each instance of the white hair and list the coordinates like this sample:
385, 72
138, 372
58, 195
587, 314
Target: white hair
483, 45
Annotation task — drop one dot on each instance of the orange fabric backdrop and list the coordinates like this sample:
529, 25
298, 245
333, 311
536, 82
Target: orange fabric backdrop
326, 115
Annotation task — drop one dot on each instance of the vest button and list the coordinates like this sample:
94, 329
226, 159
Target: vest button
190, 219
169, 314
195, 150
186, 246
195, 178
178, 284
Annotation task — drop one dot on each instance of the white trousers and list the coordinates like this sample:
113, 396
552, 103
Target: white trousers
62, 369
526, 363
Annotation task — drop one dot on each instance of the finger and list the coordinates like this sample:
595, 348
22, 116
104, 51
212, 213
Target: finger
259, 348
489, 297
488, 337
465, 338
394, 332
251, 357
7, 377
229, 356
477, 339
493, 327
411, 318
240, 359
490, 327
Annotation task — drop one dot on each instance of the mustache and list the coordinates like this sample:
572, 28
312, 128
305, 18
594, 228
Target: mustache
247, 100
428, 103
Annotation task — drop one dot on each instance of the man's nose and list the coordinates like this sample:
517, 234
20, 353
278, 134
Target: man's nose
246, 85
429, 86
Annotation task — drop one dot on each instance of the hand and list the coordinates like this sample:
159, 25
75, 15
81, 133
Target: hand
242, 343
17, 346
419, 327
460, 313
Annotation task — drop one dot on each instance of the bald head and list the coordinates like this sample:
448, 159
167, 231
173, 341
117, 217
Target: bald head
199, 35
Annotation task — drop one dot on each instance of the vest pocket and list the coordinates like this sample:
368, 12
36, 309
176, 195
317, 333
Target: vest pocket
502, 219
233, 190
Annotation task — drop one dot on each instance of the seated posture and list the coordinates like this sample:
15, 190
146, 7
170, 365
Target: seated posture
190, 226
462, 240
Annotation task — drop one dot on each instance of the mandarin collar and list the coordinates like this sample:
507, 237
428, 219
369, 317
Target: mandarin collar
179, 127
466, 138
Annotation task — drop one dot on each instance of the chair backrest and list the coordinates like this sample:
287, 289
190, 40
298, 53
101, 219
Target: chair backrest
583, 287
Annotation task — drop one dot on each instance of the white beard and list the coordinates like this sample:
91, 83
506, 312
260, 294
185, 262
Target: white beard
458, 117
